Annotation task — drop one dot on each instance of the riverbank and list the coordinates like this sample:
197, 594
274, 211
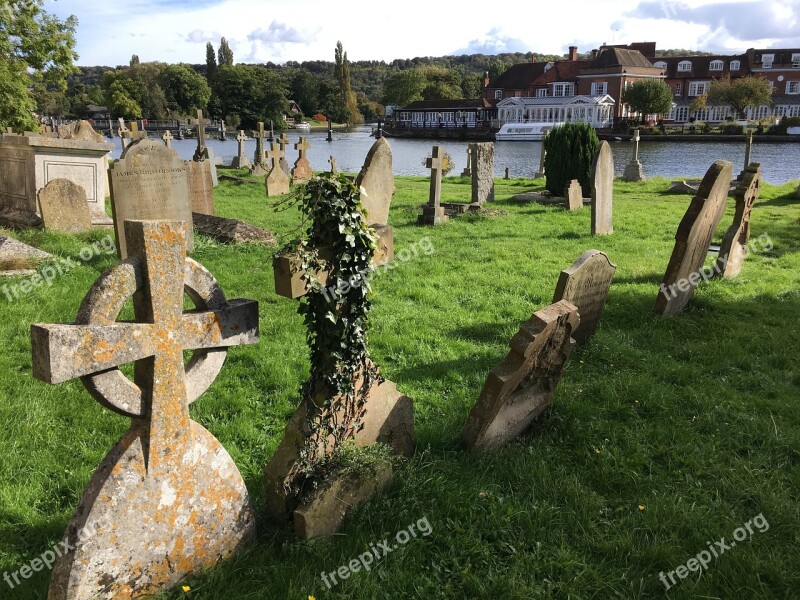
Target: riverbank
701, 137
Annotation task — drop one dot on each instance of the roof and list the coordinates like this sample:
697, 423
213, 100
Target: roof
701, 64
620, 57
474, 103
563, 70
557, 100
519, 76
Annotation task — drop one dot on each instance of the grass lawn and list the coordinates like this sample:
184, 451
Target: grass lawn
664, 435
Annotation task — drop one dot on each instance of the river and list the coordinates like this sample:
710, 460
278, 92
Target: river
780, 162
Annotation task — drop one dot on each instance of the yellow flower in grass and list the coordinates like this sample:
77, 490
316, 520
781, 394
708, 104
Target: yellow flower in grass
641, 507
186, 589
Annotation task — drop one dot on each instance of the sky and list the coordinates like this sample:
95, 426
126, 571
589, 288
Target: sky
277, 31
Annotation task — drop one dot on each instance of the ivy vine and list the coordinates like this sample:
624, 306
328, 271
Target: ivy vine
338, 241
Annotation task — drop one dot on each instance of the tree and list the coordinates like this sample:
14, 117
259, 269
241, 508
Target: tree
404, 87
740, 94
471, 86
570, 151
441, 84
648, 97
184, 88
36, 48
136, 92
304, 89
211, 64
341, 73
253, 93
330, 101
135, 60
225, 54
498, 67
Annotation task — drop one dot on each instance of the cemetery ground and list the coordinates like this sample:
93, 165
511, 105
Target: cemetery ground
664, 436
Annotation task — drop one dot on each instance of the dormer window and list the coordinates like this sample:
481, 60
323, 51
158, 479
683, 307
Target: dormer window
736, 65
498, 94
685, 66
796, 61
660, 65
716, 65
766, 60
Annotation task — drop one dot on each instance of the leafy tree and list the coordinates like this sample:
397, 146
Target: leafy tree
135, 60
304, 89
570, 151
471, 86
184, 88
498, 67
341, 73
330, 101
740, 94
251, 92
136, 92
211, 64
370, 109
441, 84
404, 87
36, 48
648, 97
225, 54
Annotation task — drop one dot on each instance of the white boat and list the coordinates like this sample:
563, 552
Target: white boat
302, 126
523, 132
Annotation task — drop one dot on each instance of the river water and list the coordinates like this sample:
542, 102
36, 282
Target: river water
780, 162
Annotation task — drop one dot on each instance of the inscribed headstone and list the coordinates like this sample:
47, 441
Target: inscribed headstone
63, 207
201, 187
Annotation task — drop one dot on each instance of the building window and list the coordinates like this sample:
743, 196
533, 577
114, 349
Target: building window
716, 65
498, 94
766, 60
793, 87
562, 89
660, 65
678, 89
404, 116
685, 66
599, 89
796, 61
735, 65
541, 93
698, 88
518, 94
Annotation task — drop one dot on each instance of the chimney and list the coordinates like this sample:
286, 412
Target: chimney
573, 53
486, 79
533, 58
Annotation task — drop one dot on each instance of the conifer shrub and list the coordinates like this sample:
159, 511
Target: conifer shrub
570, 150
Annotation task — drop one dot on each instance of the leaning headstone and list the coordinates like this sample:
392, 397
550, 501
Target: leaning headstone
467, 172
240, 160
201, 187
63, 207
573, 194
520, 388
585, 284
602, 190
276, 182
482, 172
693, 238
733, 249
232, 231
259, 167
433, 213
149, 182
302, 172
167, 501
633, 170
376, 180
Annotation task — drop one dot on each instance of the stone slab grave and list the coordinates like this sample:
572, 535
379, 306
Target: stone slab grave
433, 213
692, 240
17, 258
573, 195
276, 182
232, 231
585, 284
602, 190
240, 160
521, 387
149, 182
63, 207
733, 248
259, 167
302, 171
29, 162
168, 500
633, 170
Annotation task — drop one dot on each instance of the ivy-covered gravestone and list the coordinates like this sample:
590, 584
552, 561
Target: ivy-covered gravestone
346, 403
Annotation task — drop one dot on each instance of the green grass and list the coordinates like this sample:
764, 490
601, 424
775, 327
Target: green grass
695, 417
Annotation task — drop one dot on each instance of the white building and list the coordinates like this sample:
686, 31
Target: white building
595, 110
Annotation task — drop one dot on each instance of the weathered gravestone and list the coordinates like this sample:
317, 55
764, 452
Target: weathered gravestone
693, 238
259, 167
63, 207
135, 133
542, 155
733, 249
573, 195
520, 388
149, 181
602, 190
201, 186
79, 130
167, 501
16, 259
276, 182
302, 172
748, 150
467, 172
232, 231
433, 213
332, 161
585, 284
124, 134
240, 160
200, 152
376, 180
482, 172
633, 170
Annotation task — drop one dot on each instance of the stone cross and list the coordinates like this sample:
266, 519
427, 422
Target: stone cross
135, 133
259, 159
433, 213
276, 182
124, 133
733, 249
201, 153
167, 500
275, 154
633, 170
303, 147
467, 172
283, 140
240, 160
241, 138
635, 144
167, 137
334, 170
